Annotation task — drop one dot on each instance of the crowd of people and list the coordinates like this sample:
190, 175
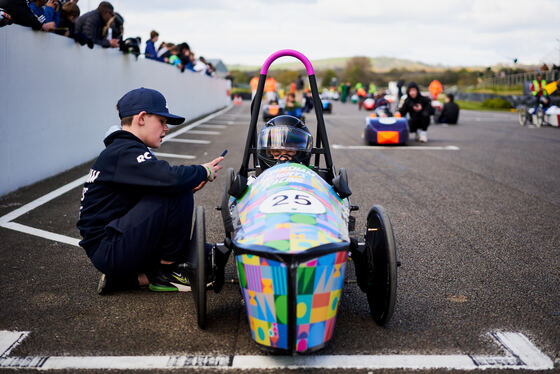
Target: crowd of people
101, 26
179, 55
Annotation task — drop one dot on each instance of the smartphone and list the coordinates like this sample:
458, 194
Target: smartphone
223, 153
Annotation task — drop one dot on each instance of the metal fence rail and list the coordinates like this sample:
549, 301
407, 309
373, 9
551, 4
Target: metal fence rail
518, 79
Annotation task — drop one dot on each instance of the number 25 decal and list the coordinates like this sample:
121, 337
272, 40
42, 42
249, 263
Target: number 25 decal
292, 201
297, 199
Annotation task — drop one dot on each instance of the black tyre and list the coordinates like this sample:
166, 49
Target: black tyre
523, 116
199, 281
539, 117
381, 255
224, 206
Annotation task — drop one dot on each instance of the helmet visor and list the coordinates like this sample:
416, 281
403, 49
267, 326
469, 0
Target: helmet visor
284, 137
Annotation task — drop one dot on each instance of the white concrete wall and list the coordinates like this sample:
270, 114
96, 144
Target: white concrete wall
58, 98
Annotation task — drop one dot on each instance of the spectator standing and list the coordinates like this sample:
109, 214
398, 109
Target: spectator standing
150, 51
114, 29
91, 24
68, 16
450, 112
48, 10
538, 91
419, 108
163, 51
400, 84
22, 15
299, 88
254, 82
174, 58
344, 91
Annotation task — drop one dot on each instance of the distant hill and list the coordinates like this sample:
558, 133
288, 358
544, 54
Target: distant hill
380, 64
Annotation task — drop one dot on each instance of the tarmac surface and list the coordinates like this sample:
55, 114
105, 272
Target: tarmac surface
476, 229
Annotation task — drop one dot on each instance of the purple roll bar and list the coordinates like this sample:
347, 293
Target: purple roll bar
288, 52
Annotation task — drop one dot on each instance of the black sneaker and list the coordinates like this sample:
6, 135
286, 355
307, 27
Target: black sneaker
170, 278
108, 284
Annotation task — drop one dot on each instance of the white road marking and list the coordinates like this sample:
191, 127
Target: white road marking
42, 200
196, 124
521, 354
9, 340
204, 132
5, 220
192, 141
174, 155
403, 148
209, 126
42, 233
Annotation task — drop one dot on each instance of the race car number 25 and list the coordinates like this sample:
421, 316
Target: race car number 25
292, 201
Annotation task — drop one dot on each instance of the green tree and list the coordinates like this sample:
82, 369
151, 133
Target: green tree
358, 69
327, 77
240, 77
285, 77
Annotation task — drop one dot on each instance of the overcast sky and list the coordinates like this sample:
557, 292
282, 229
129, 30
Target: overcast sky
448, 32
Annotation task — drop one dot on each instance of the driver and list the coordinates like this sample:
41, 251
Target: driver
284, 139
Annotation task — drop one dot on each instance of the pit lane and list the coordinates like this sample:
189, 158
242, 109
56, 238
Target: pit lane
476, 232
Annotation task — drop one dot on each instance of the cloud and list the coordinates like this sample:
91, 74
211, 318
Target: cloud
477, 32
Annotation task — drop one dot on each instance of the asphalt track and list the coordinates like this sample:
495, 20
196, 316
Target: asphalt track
475, 213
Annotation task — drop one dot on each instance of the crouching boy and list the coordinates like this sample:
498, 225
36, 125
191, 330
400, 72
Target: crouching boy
136, 210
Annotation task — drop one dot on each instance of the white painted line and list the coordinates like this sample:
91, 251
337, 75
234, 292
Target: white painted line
42, 200
173, 155
9, 340
195, 124
41, 233
518, 345
405, 147
5, 220
522, 354
204, 132
192, 141
210, 126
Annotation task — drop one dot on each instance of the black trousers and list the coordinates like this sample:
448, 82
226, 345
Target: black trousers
420, 123
157, 228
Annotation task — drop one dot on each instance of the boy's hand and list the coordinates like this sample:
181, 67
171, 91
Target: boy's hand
212, 168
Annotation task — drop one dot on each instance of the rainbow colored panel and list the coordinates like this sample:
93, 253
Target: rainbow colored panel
319, 286
264, 288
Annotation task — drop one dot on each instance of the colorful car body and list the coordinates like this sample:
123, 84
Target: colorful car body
327, 106
386, 130
291, 239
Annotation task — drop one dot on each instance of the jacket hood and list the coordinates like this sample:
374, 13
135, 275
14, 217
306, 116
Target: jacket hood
120, 134
413, 85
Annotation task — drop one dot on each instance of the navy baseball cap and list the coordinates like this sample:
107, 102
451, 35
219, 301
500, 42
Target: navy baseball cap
148, 100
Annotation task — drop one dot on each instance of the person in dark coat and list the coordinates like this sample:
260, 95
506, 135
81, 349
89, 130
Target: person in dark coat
92, 23
21, 14
136, 210
450, 112
419, 108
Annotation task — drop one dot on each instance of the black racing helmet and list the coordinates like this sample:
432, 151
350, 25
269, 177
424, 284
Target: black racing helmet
286, 133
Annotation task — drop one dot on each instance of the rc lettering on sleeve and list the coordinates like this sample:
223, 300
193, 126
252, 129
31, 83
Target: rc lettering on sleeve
92, 176
144, 157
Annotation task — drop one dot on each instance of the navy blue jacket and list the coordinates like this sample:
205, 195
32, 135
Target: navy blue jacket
122, 174
150, 51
